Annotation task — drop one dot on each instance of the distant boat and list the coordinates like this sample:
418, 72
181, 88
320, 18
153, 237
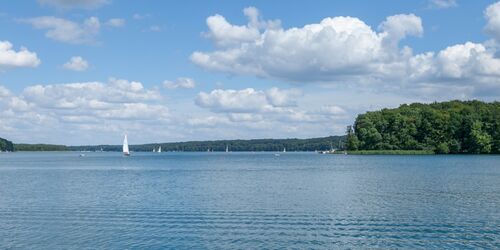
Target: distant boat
227, 148
154, 150
82, 155
284, 150
159, 149
126, 152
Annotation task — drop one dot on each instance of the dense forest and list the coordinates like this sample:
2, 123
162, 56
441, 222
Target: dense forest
448, 127
324, 143
6, 145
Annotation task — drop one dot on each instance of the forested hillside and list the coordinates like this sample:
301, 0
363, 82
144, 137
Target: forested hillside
6, 145
447, 127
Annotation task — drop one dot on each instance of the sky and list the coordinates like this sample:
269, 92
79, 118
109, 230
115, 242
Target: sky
79, 72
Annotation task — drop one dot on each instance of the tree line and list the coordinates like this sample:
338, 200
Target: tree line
39, 147
448, 127
323, 143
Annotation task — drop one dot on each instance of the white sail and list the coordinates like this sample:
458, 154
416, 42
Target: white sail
159, 149
227, 148
125, 146
284, 150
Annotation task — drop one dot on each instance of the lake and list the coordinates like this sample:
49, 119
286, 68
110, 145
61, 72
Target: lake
248, 201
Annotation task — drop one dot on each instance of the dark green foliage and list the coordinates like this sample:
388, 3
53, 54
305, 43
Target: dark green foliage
447, 127
39, 147
391, 152
6, 145
324, 143
352, 139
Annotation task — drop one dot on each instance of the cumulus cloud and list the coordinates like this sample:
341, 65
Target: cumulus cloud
9, 58
225, 34
91, 95
74, 4
247, 100
251, 107
96, 107
442, 4
236, 101
333, 49
342, 51
180, 82
492, 15
76, 63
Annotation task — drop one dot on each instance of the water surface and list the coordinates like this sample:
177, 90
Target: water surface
248, 200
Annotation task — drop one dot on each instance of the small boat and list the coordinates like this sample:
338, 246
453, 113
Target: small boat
227, 148
154, 150
284, 150
159, 149
82, 155
126, 152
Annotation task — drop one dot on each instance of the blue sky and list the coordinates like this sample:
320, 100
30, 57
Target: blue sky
87, 71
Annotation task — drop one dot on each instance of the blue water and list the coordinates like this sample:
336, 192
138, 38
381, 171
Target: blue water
248, 201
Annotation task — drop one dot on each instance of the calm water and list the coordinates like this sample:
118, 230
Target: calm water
246, 200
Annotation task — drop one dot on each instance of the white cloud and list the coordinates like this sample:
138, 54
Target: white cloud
492, 15
235, 101
76, 63
75, 112
442, 4
283, 98
116, 22
397, 27
89, 95
247, 100
180, 82
9, 58
345, 51
68, 31
332, 110
274, 105
335, 48
72, 4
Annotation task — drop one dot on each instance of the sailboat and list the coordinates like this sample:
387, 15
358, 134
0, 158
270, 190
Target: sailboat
159, 149
126, 152
284, 150
227, 148
154, 150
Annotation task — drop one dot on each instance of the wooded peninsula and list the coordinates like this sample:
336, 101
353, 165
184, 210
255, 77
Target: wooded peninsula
457, 127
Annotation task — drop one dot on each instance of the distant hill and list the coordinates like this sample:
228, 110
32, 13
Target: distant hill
323, 143
6, 145
446, 127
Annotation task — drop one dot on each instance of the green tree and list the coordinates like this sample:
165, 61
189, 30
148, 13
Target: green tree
480, 141
352, 139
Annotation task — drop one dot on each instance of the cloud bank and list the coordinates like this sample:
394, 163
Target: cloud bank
346, 51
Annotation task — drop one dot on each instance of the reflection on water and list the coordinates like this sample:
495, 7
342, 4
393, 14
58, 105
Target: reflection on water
248, 200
